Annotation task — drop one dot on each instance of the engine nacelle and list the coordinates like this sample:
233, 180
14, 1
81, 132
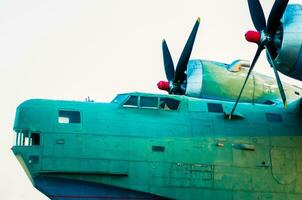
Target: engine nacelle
214, 80
289, 56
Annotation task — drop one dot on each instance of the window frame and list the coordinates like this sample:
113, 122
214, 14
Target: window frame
139, 106
79, 117
131, 106
24, 138
149, 107
176, 100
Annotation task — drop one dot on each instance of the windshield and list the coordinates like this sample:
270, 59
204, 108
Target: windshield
120, 98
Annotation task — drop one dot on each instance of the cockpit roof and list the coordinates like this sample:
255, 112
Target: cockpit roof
177, 97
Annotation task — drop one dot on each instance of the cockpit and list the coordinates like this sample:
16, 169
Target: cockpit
147, 102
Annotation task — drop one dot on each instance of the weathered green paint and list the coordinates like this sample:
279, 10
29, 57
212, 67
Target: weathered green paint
219, 82
205, 156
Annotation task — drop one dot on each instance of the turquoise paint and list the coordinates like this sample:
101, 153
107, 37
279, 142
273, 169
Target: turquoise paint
204, 154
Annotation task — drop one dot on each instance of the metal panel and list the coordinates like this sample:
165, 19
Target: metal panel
283, 165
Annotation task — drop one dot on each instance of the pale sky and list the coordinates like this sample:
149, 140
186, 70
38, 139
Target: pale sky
73, 49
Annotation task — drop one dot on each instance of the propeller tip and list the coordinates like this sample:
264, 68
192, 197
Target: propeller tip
198, 19
163, 41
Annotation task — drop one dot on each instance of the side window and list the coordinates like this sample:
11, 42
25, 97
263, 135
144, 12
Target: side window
168, 104
24, 138
69, 117
149, 102
215, 107
131, 102
35, 139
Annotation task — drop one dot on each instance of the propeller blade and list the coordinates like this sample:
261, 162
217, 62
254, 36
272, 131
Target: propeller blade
257, 14
185, 55
258, 52
275, 15
279, 83
168, 62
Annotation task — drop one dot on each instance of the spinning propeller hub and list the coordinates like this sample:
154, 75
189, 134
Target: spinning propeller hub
253, 36
163, 85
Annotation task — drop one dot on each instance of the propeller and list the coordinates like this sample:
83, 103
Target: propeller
264, 38
257, 14
176, 78
275, 15
168, 62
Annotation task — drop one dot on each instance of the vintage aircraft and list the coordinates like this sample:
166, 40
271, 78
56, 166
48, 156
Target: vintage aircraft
189, 144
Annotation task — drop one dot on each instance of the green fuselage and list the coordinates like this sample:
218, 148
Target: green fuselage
188, 152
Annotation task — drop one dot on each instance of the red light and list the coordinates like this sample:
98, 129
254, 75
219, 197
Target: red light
163, 85
253, 36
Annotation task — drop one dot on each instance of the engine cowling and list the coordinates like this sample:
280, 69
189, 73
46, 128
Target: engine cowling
215, 80
289, 54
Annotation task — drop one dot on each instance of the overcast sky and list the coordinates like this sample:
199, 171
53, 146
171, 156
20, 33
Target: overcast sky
74, 49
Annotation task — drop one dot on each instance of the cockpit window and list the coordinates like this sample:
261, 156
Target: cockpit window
152, 102
131, 102
168, 104
149, 102
119, 98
